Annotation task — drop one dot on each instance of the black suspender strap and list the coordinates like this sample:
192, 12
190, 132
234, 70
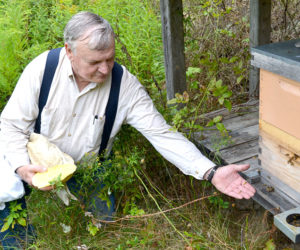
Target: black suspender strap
112, 105
50, 68
113, 99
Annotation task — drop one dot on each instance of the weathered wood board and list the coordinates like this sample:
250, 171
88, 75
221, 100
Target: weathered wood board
242, 127
260, 30
281, 163
173, 37
279, 136
271, 197
242, 124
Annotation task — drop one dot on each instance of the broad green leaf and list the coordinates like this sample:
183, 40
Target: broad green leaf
22, 222
241, 64
199, 127
210, 123
233, 59
192, 71
217, 92
220, 127
270, 245
239, 79
227, 104
227, 94
217, 119
5, 227
219, 83
194, 85
10, 219
221, 100
172, 101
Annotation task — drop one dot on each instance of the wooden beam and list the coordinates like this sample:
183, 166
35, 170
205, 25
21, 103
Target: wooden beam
260, 30
173, 38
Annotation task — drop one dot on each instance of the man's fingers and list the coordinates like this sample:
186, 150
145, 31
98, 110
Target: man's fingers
38, 169
242, 167
26, 172
240, 194
47, 188
235, 194
250, 188
240, 189
247, 191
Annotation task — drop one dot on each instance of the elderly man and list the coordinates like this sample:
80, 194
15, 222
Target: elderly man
74, 116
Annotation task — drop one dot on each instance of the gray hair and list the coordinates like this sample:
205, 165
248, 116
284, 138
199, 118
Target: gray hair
85, 25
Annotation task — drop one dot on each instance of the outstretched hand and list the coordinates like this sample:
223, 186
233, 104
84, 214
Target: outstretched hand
228, 181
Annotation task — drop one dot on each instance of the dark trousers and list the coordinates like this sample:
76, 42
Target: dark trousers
101, 209
15, 238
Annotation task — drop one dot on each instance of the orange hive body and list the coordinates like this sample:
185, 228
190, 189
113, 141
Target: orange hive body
279, 129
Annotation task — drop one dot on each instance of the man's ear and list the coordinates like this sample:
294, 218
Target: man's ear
69, 52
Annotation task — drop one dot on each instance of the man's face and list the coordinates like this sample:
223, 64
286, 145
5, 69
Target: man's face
91, 65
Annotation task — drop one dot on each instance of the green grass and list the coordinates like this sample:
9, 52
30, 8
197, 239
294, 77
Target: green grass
199, 225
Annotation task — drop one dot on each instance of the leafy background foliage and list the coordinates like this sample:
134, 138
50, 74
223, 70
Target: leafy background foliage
27, 28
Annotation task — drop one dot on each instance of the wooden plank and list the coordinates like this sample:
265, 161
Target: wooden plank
280, 137
232, 124
260, 22
243, 121
253, 161
173, 38
239, 136
282, 170
243, 130
272, 198
237, 110
271, 193
239, 152
260, 30
279, 58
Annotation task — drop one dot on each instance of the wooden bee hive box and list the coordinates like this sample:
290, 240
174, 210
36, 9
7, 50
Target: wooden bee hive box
279, 115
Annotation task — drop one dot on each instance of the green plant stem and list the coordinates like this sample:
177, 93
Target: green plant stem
198, 107
163, 197
155, 201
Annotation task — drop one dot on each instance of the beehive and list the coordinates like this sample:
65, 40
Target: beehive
279, 115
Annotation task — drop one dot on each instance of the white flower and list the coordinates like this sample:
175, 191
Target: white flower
66, 228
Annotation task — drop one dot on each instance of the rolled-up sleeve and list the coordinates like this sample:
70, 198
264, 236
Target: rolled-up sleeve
172, 145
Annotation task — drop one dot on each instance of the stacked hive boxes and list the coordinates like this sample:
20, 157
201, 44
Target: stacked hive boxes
279, 144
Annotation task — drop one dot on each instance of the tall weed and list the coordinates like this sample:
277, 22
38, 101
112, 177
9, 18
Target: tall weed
12, 25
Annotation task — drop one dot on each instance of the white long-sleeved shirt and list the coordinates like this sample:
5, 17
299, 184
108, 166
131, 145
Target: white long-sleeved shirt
68, 118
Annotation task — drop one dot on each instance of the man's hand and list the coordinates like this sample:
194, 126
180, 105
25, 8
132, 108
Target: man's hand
228, 181
26, 173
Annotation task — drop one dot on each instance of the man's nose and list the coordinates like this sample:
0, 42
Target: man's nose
103, 68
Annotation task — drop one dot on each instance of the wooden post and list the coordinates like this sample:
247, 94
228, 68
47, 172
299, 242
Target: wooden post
173, 38
260, 30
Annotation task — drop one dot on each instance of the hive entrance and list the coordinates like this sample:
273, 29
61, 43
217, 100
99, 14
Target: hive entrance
294, 220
